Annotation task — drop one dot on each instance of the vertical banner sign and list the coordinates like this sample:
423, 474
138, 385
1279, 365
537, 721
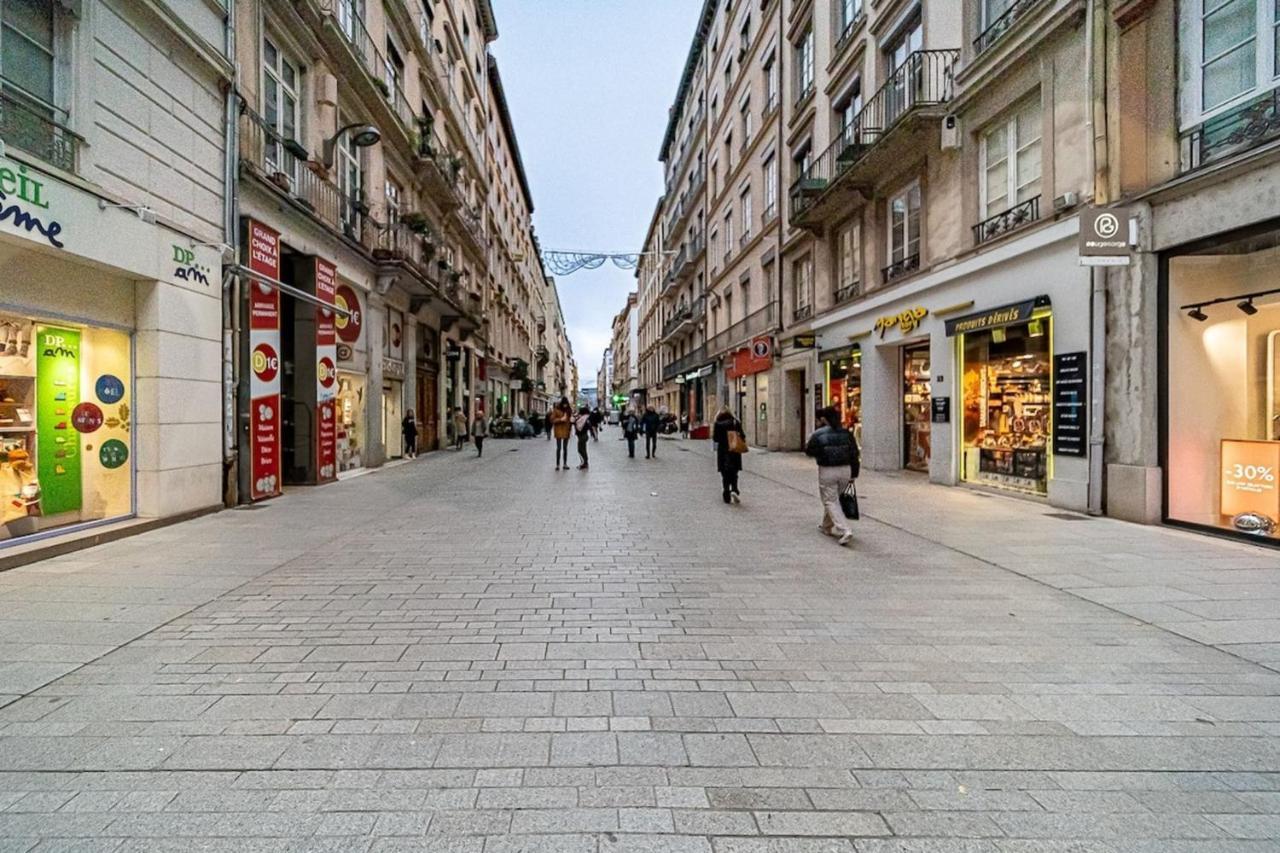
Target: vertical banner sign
264, 362
326, 373
57, 442
1070, 404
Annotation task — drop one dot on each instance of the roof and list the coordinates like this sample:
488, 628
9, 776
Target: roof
488, 23
504, 115
686, 78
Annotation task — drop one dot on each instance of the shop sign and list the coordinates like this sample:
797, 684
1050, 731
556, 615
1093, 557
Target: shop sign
804, 342
1005, 315
262, 245
392, 369
395, 334
57, 396
756, 358
840, 353
940, 410
906, 321
453, 352
1071, 404
1248, 483
187, 268
1104, 236
24, 207
350, 324
326, 373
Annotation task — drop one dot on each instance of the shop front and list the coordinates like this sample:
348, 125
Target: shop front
747, 379
842, 385
350, 399
1220, 378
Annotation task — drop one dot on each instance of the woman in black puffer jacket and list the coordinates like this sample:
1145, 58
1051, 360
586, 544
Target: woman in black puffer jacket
834, 449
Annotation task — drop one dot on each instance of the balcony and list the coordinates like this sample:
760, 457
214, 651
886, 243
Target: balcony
1001, 25
847, 292
757, 323
1009, 220
439, 169
282, 164
37, 129
845, 37
1247, 126
914, 92
381, 75
683, 320
801, 313
469, 226
900, 268
673, 272
693, 359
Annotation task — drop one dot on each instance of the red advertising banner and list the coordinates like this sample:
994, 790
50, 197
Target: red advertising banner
349, 325
326, 374
756, 358
262, 244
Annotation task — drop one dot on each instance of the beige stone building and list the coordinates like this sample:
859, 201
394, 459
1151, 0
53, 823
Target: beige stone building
624, 350
650, 274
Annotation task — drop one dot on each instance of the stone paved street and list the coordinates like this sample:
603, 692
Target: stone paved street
487, 656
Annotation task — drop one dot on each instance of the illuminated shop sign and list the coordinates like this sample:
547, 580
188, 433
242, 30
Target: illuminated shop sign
906, 321
1005, 315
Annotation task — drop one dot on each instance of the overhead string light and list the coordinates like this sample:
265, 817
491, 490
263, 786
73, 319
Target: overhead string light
561, 262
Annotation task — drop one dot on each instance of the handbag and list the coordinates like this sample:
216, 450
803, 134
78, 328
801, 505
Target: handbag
737, 444
849, 501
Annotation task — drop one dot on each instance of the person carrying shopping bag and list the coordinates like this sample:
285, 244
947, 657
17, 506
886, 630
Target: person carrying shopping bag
834, 449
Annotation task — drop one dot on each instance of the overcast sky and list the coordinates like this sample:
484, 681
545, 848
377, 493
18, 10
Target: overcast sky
589, 83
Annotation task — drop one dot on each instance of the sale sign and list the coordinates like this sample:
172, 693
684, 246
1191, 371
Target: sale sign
1248, 482
326, 373
349, 324
262, 245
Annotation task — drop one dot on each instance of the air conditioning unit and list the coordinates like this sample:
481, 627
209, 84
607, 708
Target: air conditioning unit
1065, 201
950, 133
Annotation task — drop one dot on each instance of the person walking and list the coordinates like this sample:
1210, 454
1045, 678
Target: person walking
630, 429
479, 432
409, 429
834, 449
562, 426
596, 420
459, 428
730, 441
583, 429
651, 423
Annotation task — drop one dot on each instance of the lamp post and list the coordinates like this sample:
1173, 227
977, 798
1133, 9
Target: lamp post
362, 136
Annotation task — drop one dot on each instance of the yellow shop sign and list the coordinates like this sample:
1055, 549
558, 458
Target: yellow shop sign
906, 321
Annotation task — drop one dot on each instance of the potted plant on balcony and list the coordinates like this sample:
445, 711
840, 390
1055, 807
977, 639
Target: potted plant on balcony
382, 87
455, 167
417, 222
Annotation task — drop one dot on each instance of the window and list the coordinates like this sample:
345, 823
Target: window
728, 153
279, 108
1232, 48
393, 195
728, 308
745, 288
802, 160
993, 10
728, 77
804, 65
744, 35
351, 18
1009, 160
728, 232
424, 23
714, 248
801, 283
849, 11
745, 206
848, 261
770, 187
771, 81
27, 33
394, 65
744, 112
904, 231
350, 179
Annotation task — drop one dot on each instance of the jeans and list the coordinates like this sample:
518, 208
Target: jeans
831, 482
582, 447
631, 445
729, 481
562, 452
650, 445
479, 440
410, 446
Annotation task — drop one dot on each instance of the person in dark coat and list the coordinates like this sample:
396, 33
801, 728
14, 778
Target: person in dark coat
409, 429
630, 430
650, 422
836, 452
728, 463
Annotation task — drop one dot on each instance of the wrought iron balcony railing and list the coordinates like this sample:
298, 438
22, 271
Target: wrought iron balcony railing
1247, 126
37, 129
801, 313
1007, 220
923, 79
848, 292
1001, 25
694, 358
902, 267
845, 36
379, 68
757, 323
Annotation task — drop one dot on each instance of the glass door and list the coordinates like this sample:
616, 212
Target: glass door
915, 407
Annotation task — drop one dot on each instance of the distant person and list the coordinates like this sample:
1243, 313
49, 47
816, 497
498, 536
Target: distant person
562, 426
833, 448
459, 428
596, 420
684, 424
479, 432
409, 430
650, 422
535, 422
630, 429
584, 430
730, 440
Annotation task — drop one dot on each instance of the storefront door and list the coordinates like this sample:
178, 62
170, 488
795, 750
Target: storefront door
351, 417
392, 415
761, 410
428, 409
915, 407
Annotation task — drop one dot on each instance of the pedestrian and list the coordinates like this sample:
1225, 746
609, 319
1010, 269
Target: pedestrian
834, 449
459, 428
583, 429
650, 422
596, 420
730, 441
479, 432
535, 422
630, 429
409, 429
684, 424
562, 426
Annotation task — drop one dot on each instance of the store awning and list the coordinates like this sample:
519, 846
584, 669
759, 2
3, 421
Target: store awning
289, 289
993, 318
705, 370
840, 353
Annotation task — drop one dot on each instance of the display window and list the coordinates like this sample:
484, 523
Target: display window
915, 407
351, 420
65, 425
843, 387
1008, 405
1222, 387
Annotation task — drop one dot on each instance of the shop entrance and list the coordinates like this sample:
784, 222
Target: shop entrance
794, 389
427, 410
392, 415
915, 407
351, 416
842, 374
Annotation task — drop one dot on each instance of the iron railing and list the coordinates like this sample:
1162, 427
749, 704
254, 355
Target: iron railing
694, 358
847, 292
37, 129
1001, 25
801, 313
923, 79
375, 63
757, 323
1247, 126
902, 267
846, 34
769, 213
1007, 220
685, 315
770, 105
673, 272
399, 242
276, 160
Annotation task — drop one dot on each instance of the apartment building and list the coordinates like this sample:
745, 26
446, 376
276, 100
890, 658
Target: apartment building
558, 371
650, 272
111, 385
625, 351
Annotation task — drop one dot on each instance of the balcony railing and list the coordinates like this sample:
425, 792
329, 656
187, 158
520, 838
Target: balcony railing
684, 317
923, 79
1240, 129
846, 34
801, 313
399, 242
280, 163
757, 323
847, 292
898, 269
1001, 25
694, 358
769, 213
380, 69
1006, 221
39, 130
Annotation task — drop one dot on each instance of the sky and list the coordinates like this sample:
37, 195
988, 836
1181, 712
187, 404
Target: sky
588, 83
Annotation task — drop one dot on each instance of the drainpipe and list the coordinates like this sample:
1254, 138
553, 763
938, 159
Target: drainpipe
1098, 288
231, 294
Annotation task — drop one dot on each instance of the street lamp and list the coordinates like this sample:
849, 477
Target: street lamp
362, 136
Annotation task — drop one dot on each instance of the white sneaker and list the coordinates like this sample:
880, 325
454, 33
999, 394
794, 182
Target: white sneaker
734, 497
846, 538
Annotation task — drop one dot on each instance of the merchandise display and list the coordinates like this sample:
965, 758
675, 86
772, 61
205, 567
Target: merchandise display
915, 408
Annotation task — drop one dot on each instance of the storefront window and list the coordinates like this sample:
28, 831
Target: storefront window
1223, 380
1008, 406
844, 387
915, 407
351, 420
65, 425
